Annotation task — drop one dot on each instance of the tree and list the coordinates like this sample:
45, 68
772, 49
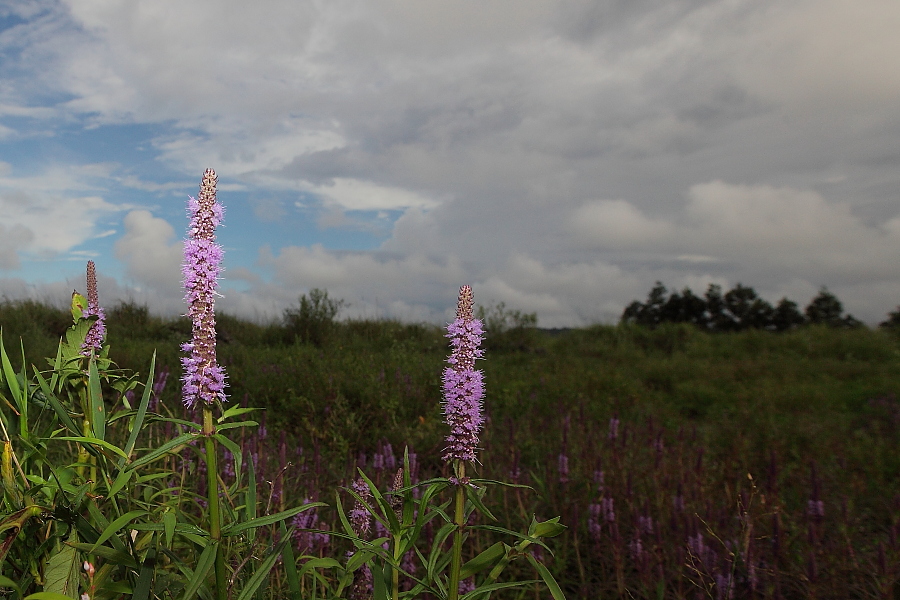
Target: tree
651, 312
825, 309
893, 320
717, 317
313, 320
748, 310
787, 316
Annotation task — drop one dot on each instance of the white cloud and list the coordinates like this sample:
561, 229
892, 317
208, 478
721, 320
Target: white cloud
150, 255
352, 194
11, 241
617, 224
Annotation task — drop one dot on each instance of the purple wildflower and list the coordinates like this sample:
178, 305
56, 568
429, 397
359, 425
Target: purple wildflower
95, 335
463, 384
360, 519
204, 379
308, 542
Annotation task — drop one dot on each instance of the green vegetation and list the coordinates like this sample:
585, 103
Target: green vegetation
779, 450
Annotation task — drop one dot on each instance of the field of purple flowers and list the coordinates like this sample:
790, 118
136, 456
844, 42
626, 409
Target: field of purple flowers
683, 464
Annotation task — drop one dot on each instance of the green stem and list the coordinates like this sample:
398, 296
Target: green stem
395, 572
212, 493
459, 519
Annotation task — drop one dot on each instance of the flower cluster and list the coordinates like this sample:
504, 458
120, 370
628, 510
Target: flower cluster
463, 384
204, 379
97, 333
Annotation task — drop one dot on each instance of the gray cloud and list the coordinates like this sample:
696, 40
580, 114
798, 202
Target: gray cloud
560, 156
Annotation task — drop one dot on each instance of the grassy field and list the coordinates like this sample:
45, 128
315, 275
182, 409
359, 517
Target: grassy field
685, 464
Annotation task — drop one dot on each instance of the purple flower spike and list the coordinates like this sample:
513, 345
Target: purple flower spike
204, 379
95, 335
463, 384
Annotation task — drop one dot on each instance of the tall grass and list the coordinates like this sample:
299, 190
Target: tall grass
751, 464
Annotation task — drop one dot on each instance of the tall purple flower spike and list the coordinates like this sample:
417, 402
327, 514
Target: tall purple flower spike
204, 379
96, 334
463, 384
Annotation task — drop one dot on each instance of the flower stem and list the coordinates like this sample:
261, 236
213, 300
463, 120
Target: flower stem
459, 519
212, 492
395, 572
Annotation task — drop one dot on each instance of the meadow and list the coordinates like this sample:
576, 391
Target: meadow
683, 463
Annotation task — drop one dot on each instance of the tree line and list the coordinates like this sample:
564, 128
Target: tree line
738, 309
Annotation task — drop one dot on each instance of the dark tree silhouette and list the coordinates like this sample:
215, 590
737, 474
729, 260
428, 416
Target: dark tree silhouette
826, 309
787, 316
893, 320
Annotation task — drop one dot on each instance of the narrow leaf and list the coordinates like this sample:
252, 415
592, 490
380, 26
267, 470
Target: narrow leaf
549, 581
168, 447
262, 572
95, 394
117, 525
204, 565
268, 519
142, 409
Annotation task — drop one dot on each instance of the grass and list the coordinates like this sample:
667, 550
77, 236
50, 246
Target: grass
743, 429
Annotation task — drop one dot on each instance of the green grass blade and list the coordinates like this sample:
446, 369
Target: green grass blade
61, 413
142, 410
204, 566
95, 399
268, 519
144, 584
549, 581
117, 525
167, 448
262, 572
290, 563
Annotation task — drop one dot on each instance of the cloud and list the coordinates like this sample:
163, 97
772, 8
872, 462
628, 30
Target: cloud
617, 224
11, 240
561, 156
56, 206
150, 255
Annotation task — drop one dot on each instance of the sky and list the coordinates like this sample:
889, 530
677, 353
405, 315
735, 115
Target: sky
560, 157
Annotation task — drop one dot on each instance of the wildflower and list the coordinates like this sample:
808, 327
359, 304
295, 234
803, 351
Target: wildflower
204, 379
463, 384
360, 520
95, 335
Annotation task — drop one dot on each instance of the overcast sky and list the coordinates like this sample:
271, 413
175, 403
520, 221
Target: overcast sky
558, 156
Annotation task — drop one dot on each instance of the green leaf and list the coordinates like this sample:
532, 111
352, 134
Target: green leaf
144, 584
94, 441
262, 572
167, 448
268, 519
61, 575
474, 496
549, 581
485, 590
169, 520
547, 529
57, 406
142, 410
483, 560
114, 556
234, 411
5, 582
224, 426
121, 481
204, 565
47, 596
290, 563
95, 397
379, 584
117, 525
